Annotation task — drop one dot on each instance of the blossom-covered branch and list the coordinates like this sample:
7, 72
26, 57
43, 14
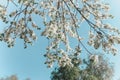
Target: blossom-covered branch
62, 20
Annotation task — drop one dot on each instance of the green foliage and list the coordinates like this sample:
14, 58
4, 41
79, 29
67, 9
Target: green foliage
93, 71
97, 71
65, 73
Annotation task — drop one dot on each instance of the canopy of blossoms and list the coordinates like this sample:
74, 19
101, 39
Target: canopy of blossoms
62, 20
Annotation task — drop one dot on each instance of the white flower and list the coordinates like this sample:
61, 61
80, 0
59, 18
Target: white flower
94, 58
91, 34
107, 26
114, 50
98, 23
91, 42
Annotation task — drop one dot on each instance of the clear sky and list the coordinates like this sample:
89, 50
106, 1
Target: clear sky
30, 62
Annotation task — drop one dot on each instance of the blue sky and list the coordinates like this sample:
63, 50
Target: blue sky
116, 22
30, 62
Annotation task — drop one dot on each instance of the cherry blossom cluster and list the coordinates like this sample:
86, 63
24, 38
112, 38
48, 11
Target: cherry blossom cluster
20, 23
62, 20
